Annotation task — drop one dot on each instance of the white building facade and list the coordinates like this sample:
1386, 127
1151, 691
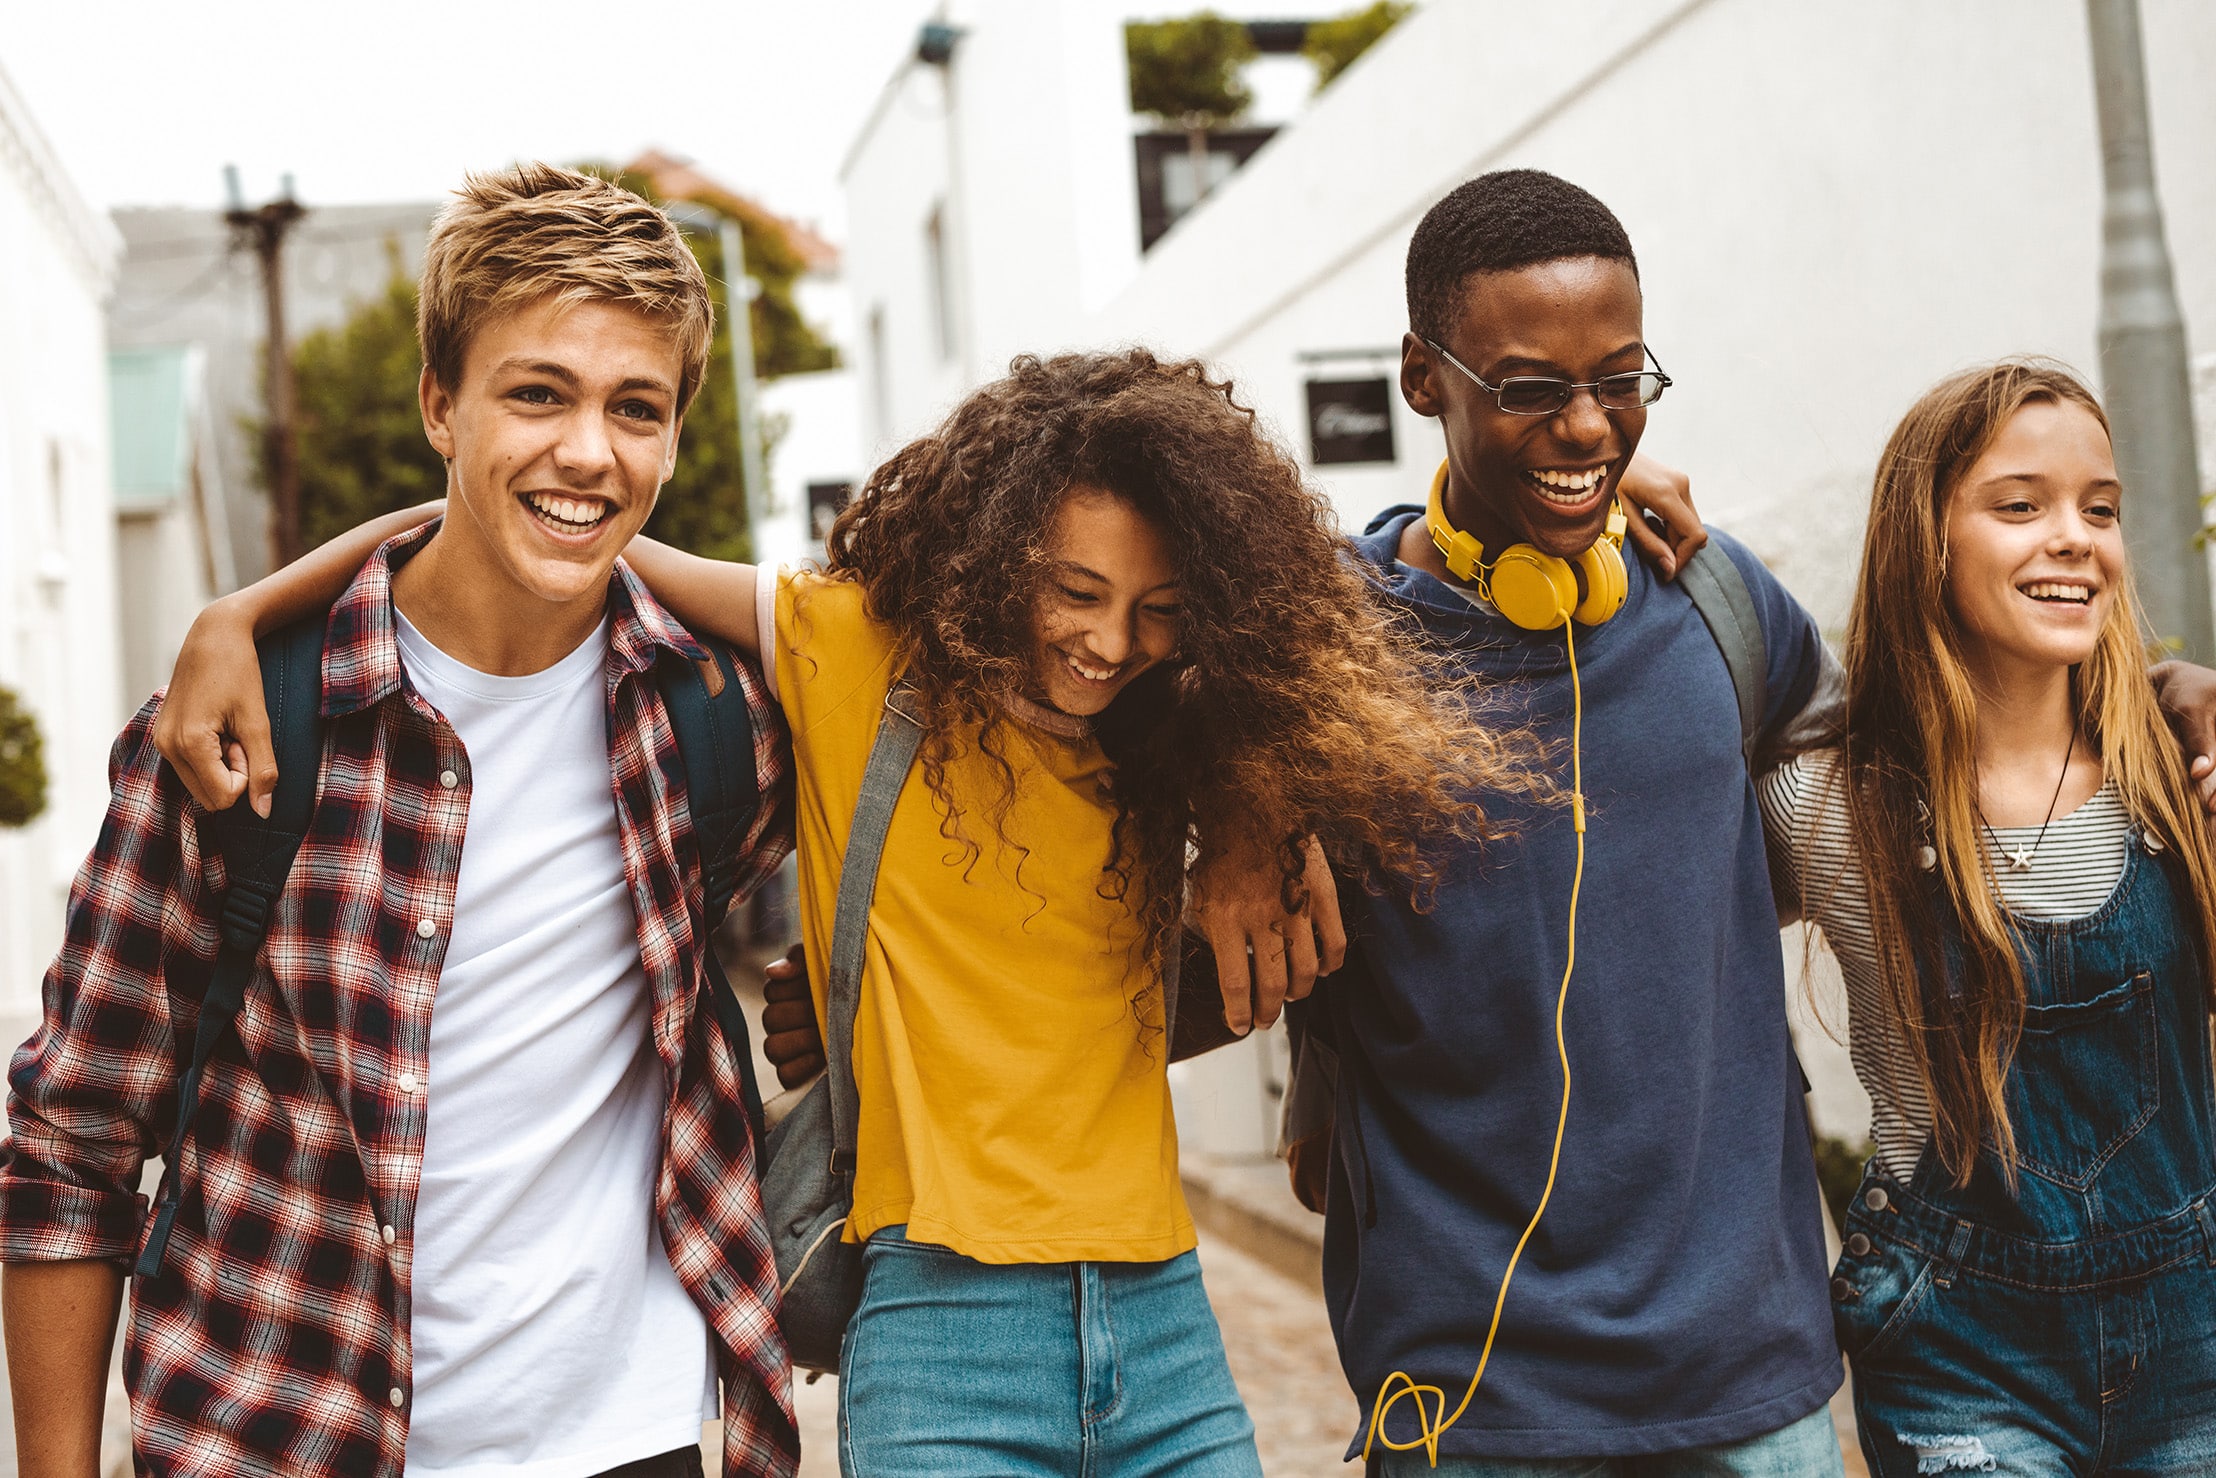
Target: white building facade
990, 205
59, 649
1833, 207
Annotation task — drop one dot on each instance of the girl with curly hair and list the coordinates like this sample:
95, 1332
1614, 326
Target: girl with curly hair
2009, 859
1131, 639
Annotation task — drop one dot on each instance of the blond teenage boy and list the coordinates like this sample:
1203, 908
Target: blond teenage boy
470, 1189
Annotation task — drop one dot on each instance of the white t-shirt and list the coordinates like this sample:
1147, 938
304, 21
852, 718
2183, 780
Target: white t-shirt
552, 1339
2074, 868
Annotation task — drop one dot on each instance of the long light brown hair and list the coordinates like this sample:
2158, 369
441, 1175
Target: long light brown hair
1296, 704
1911, 761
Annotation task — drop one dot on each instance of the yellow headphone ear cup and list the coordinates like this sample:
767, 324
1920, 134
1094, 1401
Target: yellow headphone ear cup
1607, 582
1534, 590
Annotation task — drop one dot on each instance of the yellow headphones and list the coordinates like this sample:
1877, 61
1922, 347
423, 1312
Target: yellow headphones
1533, 589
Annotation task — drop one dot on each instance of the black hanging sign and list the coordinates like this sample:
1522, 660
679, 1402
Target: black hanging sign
1350, 420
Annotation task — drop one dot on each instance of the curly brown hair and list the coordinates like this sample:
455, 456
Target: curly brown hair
1295, 705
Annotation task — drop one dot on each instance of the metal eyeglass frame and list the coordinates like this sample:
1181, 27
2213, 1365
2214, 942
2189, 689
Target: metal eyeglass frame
1569, 388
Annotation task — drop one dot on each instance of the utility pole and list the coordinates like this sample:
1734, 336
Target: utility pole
2144, 376
739, 291
263, 229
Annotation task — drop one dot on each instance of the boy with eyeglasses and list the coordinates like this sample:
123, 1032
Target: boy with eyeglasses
1669, 1314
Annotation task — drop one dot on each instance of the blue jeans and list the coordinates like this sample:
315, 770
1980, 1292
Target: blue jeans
1062, 1370
1809, 1448
1975, 1351
2065, 1324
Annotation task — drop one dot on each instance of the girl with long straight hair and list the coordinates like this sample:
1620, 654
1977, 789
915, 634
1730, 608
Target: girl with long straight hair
2007, 856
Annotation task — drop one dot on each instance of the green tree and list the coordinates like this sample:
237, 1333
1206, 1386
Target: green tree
1334, 44
1186, 72
22, 764
362, 450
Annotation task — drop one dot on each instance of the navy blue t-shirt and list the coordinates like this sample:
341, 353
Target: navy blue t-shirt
1675, 1294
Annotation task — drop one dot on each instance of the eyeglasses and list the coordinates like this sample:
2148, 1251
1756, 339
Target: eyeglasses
1543, 395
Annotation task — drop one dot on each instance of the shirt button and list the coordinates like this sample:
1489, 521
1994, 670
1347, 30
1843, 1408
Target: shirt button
395, 1396
449, 779
1927, 858
425, 928
1858, 1244
1876, 1199
2154, 844
1841, 1290
407, 1082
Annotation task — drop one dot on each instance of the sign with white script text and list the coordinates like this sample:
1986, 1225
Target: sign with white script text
1350, 420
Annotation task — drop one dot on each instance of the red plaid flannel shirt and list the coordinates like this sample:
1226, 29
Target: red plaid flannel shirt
275, 1340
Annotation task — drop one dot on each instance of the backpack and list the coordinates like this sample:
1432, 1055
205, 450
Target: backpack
1311, 1107
715, 738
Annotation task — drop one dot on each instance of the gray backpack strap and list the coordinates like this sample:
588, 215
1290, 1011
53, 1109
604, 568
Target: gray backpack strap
890, 759
1719, 592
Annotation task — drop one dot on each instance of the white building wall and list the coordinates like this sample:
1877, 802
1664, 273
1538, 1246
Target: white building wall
821, 441
1024, 142
897, 174
1833, 207
58, 634
162, 570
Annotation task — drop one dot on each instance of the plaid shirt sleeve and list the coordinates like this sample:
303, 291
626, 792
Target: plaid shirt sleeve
770, 839
94, 1087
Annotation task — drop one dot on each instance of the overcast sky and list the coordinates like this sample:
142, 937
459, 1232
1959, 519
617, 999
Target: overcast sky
146, 100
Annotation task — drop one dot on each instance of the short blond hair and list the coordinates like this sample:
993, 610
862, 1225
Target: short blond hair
537, 231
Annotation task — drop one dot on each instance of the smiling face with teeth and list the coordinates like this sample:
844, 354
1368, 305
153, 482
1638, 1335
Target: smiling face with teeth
557, 440
1107, 608
2034, 550
1540, 480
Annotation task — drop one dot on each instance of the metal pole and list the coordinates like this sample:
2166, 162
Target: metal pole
2144, 373
264, 229
739, 290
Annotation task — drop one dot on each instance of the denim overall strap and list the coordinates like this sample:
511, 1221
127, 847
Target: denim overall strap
2109, 1096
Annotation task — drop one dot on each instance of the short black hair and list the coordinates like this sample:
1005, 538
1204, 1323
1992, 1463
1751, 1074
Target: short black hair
1499, 222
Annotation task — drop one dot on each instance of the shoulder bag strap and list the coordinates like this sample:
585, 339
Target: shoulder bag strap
890, 759
257, 857
708, 713
1719, 592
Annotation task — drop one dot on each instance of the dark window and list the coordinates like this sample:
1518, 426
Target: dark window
1170, 179
825, 499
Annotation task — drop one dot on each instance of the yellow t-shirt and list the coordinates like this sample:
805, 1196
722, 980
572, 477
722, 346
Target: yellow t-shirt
1013, 1107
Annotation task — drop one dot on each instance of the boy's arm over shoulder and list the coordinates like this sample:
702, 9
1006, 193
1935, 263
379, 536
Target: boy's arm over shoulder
94, 1085
1806, 707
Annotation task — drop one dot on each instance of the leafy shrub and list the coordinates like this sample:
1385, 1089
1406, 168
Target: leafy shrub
1334, 44
22, 763
1839, 1171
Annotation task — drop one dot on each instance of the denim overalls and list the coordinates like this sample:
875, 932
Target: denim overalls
2069, 1328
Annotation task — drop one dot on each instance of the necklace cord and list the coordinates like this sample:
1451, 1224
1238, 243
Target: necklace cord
2052, 801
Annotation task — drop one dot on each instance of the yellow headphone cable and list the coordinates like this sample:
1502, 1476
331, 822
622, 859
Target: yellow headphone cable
1432, 1417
